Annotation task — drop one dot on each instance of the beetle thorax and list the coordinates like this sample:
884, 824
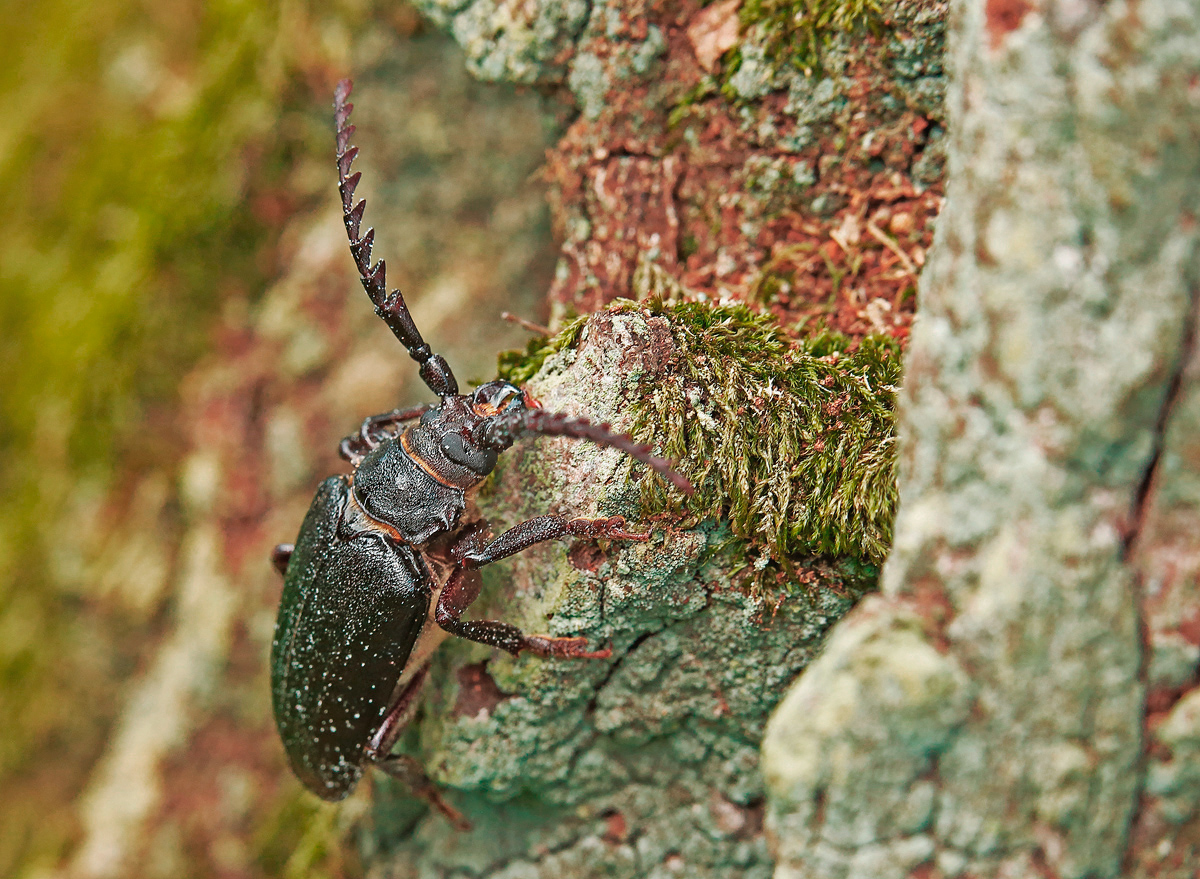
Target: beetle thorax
442, 442
397, 490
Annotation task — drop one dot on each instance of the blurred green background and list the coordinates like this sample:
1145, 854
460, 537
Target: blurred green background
153, 157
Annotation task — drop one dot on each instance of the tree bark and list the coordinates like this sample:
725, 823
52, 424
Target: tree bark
1021, 699
756, 181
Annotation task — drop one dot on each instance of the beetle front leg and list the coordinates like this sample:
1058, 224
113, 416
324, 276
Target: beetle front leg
463, 585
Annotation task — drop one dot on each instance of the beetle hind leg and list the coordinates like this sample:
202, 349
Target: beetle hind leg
402, 767
406, 769
281, 556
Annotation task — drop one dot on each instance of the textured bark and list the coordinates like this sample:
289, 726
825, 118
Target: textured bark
988, 714
702, 154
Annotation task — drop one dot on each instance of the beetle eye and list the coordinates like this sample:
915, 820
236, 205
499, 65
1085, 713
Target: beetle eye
496, 397
510, 399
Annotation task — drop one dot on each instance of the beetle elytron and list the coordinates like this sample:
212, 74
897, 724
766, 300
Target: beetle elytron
354, 632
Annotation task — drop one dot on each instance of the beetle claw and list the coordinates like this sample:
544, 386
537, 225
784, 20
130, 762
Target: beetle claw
622, 534
563, 648
451, 814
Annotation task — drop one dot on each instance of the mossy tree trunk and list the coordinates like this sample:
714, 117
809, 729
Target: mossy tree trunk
755, 180
1022, 699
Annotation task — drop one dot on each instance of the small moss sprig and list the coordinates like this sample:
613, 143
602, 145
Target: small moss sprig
797, 32
519, 366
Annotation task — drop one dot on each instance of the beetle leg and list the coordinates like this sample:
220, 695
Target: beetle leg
389, 420
463, 587
536, 530
355, 446
397, 718
402, 767
280, 556
407, 770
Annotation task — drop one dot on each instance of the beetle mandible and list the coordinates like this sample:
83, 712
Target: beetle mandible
354, 631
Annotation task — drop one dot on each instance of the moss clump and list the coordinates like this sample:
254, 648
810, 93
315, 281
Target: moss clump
792, 442
797, 32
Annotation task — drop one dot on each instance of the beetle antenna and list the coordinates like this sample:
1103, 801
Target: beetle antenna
502, 431
435, 371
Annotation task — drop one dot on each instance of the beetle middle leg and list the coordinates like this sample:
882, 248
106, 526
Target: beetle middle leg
464, 583
537, 530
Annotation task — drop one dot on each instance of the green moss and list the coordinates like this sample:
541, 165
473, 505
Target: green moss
797, 32
705, 88
793, 443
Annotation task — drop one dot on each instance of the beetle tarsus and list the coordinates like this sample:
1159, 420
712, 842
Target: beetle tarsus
612, 528
563, 648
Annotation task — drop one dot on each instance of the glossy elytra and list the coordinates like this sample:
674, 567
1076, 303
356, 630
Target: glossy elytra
355, 627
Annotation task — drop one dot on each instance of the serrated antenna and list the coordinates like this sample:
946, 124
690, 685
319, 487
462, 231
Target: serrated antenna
501, 431
435, 371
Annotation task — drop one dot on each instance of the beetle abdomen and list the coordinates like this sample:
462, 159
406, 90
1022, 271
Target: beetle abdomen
353, 604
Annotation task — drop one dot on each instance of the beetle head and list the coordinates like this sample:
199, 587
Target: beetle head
449, 440
459, 441
501, 398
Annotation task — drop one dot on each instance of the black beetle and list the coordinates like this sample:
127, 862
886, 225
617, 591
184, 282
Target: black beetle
354, 631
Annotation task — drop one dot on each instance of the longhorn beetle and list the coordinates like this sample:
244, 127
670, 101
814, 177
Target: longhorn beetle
354, 632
